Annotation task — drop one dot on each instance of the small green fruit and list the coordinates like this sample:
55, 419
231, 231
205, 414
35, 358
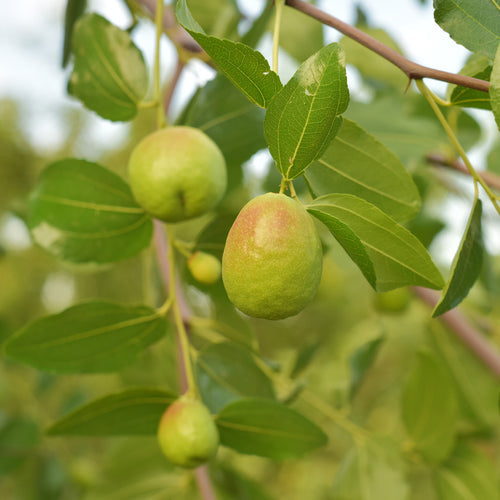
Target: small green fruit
272, 261
177, 173
394, 301
187, 433
204, 267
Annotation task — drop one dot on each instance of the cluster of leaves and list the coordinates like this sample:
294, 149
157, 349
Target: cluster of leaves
350, 160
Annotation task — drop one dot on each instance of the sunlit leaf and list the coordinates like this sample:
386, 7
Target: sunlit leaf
303, 117
84, 213
467, 264
388, 255
247, 68
356, 163
109, 74
86, 338
131, 412
475, 24
430, 409
226, 372
268, 429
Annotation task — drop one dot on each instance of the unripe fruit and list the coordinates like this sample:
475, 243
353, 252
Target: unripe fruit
187, 433
204, 267
272, 261
177, 173
394, 301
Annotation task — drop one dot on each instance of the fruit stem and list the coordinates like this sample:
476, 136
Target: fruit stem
276, 33
161, 121
192, 388
283, 185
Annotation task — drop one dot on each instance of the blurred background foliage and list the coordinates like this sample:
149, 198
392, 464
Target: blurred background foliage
351, 347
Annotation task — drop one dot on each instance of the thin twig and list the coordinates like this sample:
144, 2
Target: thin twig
459, 325
413, 70
440, 160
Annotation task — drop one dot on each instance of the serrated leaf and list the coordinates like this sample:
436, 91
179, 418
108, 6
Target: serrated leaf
495, 88
361, 360
268, 429
84, 213
226, 373
227, 117
430, 408
475, 24
477, 66
91, 337
134, 411
387, 254
303, 117
357, 163
109, 74
248, 69
74, 10
467, 475
466, 265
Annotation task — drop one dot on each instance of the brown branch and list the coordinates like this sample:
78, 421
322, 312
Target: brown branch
440, 160
413, 70
459, 325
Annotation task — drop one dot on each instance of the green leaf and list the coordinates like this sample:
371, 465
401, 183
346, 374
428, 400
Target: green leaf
475, 24
430, 408
303, 117
477, 66
369, 473
84, 213
357, 163
218, 17
361, 360
134, 412
91, 337
495, 88
226, 116
226, 373
248, 69
467, 475
74, 10
268, 429
387, 254
305, 356
466, 265
109, 74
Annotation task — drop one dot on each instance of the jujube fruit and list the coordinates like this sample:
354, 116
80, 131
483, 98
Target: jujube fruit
187, 433
204, 267
177, 173
272, 261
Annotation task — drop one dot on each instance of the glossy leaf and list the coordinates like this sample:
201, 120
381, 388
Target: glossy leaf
495, 88
475, 24
268, 429
74, 10
467, 475
303, 117
478, 66
109, 74
466, 265
87, 338
361, 360
131, 412
387, 254
84, 213
357, 163
430, 408
226, 372
248, 69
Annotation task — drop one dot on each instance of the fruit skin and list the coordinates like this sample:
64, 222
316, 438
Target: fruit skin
204, 267
177, 173
394, 301
272, 261
187, 433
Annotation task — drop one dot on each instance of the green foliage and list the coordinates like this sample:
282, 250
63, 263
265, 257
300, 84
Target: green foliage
495, 88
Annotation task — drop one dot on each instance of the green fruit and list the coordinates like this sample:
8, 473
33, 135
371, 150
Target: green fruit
272, 261
204, 267
187, 433
177, 173
394, 301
